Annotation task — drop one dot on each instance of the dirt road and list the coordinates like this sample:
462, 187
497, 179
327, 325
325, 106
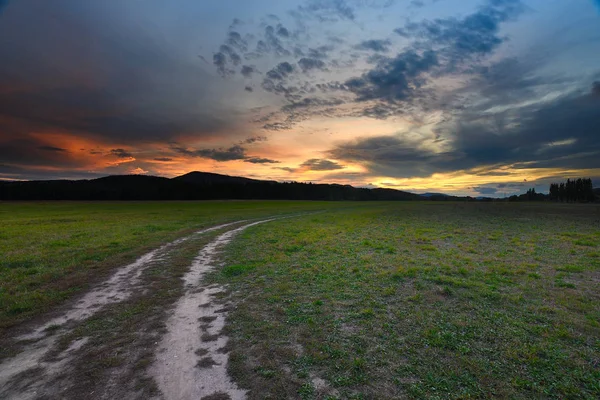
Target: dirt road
189, 358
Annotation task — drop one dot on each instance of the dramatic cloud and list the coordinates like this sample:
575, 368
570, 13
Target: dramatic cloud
105, 94
460, 39
328, 10
306, 64
393, 79
121, 153
315, 164
259, 160
235, 152
374, 45
560, 134
248, 71
383, 91
281, 71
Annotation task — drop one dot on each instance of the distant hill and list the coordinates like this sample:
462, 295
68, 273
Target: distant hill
191, 186
197, 177
434, 195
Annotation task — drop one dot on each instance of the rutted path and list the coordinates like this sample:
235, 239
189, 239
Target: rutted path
38, 343
190, 363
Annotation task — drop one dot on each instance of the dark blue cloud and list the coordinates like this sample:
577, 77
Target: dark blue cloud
281, 71
459, 40
247, 71
377, 45
307, 64
439, 47
393, 79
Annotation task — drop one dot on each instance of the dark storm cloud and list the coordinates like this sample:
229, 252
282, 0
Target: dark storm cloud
220, 61
102, 94
234, 57
281, 71
307, 64
374, 45
247, 71
393, 79
235, 152
596, 89
259, 160
235, 40
315, 164
320, 52
121, 153
282, 31
272, 43
561, 134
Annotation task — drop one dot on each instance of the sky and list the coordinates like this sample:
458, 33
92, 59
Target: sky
465, 97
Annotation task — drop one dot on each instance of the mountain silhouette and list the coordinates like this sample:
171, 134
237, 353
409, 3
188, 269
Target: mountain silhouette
191, 186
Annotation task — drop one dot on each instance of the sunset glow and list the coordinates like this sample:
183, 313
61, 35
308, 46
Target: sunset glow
474, 97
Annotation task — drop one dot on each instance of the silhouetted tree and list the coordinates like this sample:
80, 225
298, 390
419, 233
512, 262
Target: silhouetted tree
554, 191
577, 190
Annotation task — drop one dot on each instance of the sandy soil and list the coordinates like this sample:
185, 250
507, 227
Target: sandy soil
191, 363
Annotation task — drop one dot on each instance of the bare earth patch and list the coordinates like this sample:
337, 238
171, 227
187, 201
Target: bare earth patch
196, 323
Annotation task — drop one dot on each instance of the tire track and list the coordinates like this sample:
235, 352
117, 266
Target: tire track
190, 362
119, 287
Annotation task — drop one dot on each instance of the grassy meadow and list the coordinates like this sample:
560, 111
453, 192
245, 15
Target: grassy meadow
51, 251
379, 300
419, 300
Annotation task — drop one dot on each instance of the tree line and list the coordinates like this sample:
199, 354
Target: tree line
576, 190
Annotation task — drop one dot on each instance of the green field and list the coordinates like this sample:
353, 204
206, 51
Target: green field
358, 301
52, 251
419, 300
